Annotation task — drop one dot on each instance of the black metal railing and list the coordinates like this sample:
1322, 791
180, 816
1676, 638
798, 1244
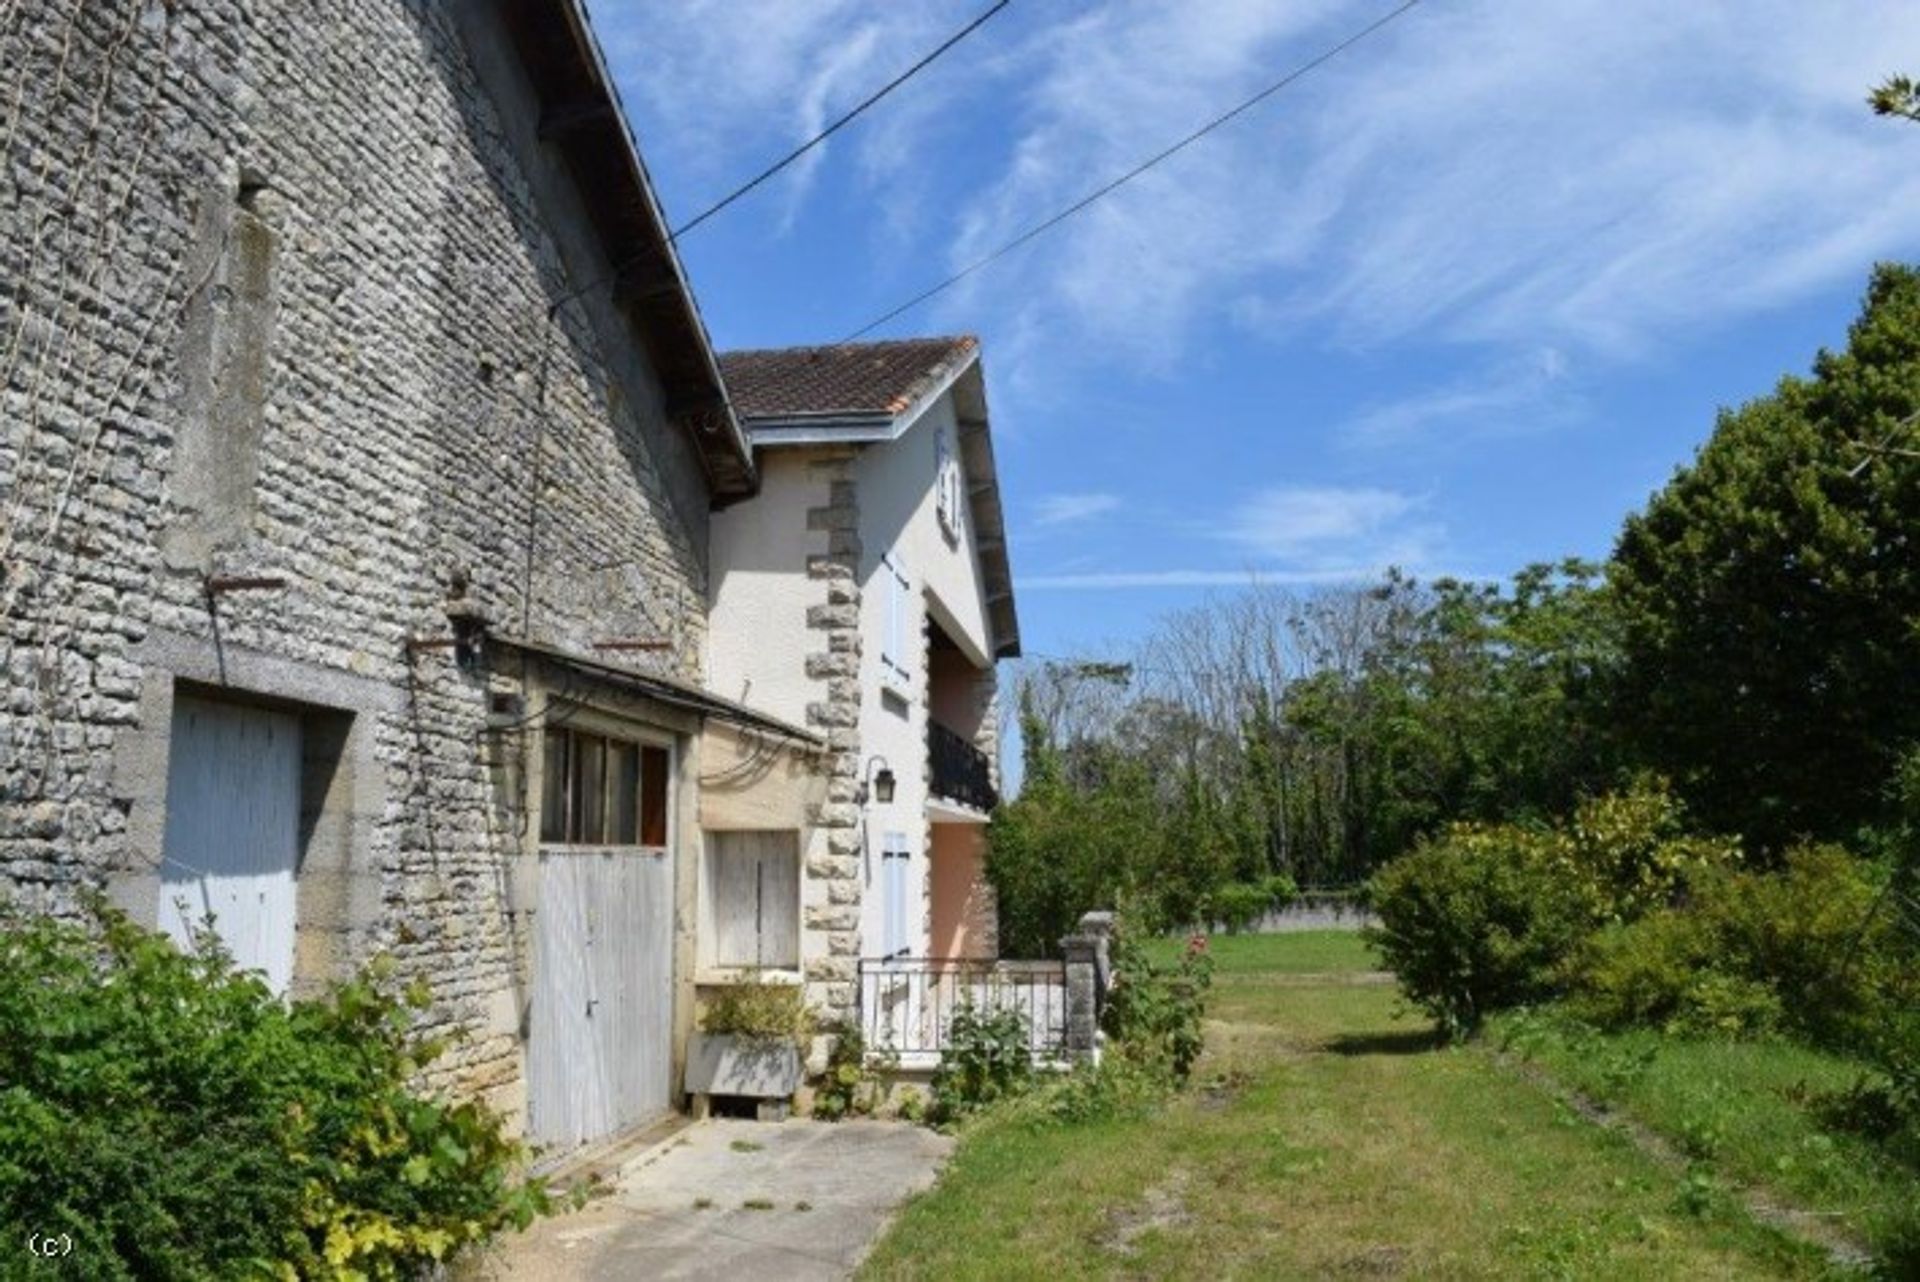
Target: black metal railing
907, 1004
961, 771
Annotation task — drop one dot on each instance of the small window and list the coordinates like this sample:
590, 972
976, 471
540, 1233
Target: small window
754, 913
602, 791
947, 487
897, 624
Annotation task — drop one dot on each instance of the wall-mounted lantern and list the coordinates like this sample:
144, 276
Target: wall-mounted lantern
878, 784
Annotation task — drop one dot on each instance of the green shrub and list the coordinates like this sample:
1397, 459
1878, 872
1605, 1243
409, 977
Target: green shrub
1801, 948
755, 1008
1664, 971
1630, 852
1491, 916
1810, 933
988, 1058
1240, 904
1478, 919
1117, 1087
1154, 1015
846, 1088
1236, 906
178, 1121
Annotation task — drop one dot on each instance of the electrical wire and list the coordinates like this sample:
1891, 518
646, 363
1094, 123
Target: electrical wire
835, 127
838, 123
1055, 220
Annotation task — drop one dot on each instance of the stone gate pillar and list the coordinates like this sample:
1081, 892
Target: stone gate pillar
1088, 968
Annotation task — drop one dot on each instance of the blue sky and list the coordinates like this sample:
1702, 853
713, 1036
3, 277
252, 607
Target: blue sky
1457, 302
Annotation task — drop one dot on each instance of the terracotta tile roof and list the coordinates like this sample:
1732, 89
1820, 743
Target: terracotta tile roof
849, 378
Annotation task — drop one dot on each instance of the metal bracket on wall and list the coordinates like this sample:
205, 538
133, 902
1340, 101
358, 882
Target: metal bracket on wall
220, 584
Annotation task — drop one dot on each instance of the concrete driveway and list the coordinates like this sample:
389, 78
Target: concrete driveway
794, 1201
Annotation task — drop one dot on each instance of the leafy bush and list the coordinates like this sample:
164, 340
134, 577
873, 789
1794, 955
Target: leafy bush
1660, 972
1630, 852
1153, 1015
1239, 905
846, 1089
1491, 916
179, 1121
1807, 932
757, 1009
988, 1058
1477, 920
1117, 1087
1883, 1107
1800, 948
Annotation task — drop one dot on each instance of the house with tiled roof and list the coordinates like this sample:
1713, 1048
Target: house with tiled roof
864, 594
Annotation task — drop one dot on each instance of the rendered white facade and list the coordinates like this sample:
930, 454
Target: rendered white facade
850, 596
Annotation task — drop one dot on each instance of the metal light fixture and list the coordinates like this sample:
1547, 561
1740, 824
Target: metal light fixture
878, 784
468, 619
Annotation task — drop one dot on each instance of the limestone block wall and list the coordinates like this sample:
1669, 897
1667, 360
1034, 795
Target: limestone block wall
274, 291
831, 889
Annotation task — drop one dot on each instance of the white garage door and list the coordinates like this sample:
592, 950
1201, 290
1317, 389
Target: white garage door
599, 1054
233, 830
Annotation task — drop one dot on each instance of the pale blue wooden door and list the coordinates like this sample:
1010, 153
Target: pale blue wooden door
232, 839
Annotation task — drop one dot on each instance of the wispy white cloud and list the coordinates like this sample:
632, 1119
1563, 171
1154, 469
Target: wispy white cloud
1120, 580
1322, 523
728, 85
1065, 509
1293, 535
1592, 176
1512, 396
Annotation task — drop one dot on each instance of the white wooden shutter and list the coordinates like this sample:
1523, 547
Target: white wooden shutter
755, 883
896, 626
780, 900
232, 845
735, 885
893, 885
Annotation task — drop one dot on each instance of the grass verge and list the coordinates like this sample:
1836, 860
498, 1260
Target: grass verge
1745, 1111
1326, 1133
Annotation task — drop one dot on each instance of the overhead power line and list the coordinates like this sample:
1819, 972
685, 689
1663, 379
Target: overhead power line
838, 123
845, 119
1046, 225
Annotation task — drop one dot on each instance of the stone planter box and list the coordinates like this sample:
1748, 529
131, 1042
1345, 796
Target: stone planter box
756, 1067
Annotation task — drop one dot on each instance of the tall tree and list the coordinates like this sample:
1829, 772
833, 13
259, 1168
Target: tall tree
1770, 594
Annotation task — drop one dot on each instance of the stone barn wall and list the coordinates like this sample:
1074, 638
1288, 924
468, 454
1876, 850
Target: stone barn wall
274, 293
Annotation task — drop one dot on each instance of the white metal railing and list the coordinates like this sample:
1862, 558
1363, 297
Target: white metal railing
907, 1004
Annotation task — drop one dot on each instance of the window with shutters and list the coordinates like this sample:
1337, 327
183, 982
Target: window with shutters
896, 861
897, 630
599, 790
753, 900
947, 486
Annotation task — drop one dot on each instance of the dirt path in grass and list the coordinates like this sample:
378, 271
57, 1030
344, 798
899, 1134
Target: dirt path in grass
1845, 1250
1326, 1135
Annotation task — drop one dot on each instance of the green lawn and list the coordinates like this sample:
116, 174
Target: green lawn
1747, 1109
1326, 1134
1302, 952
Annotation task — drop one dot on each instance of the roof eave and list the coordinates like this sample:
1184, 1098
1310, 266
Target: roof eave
987, 519
826, 427
584, 120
